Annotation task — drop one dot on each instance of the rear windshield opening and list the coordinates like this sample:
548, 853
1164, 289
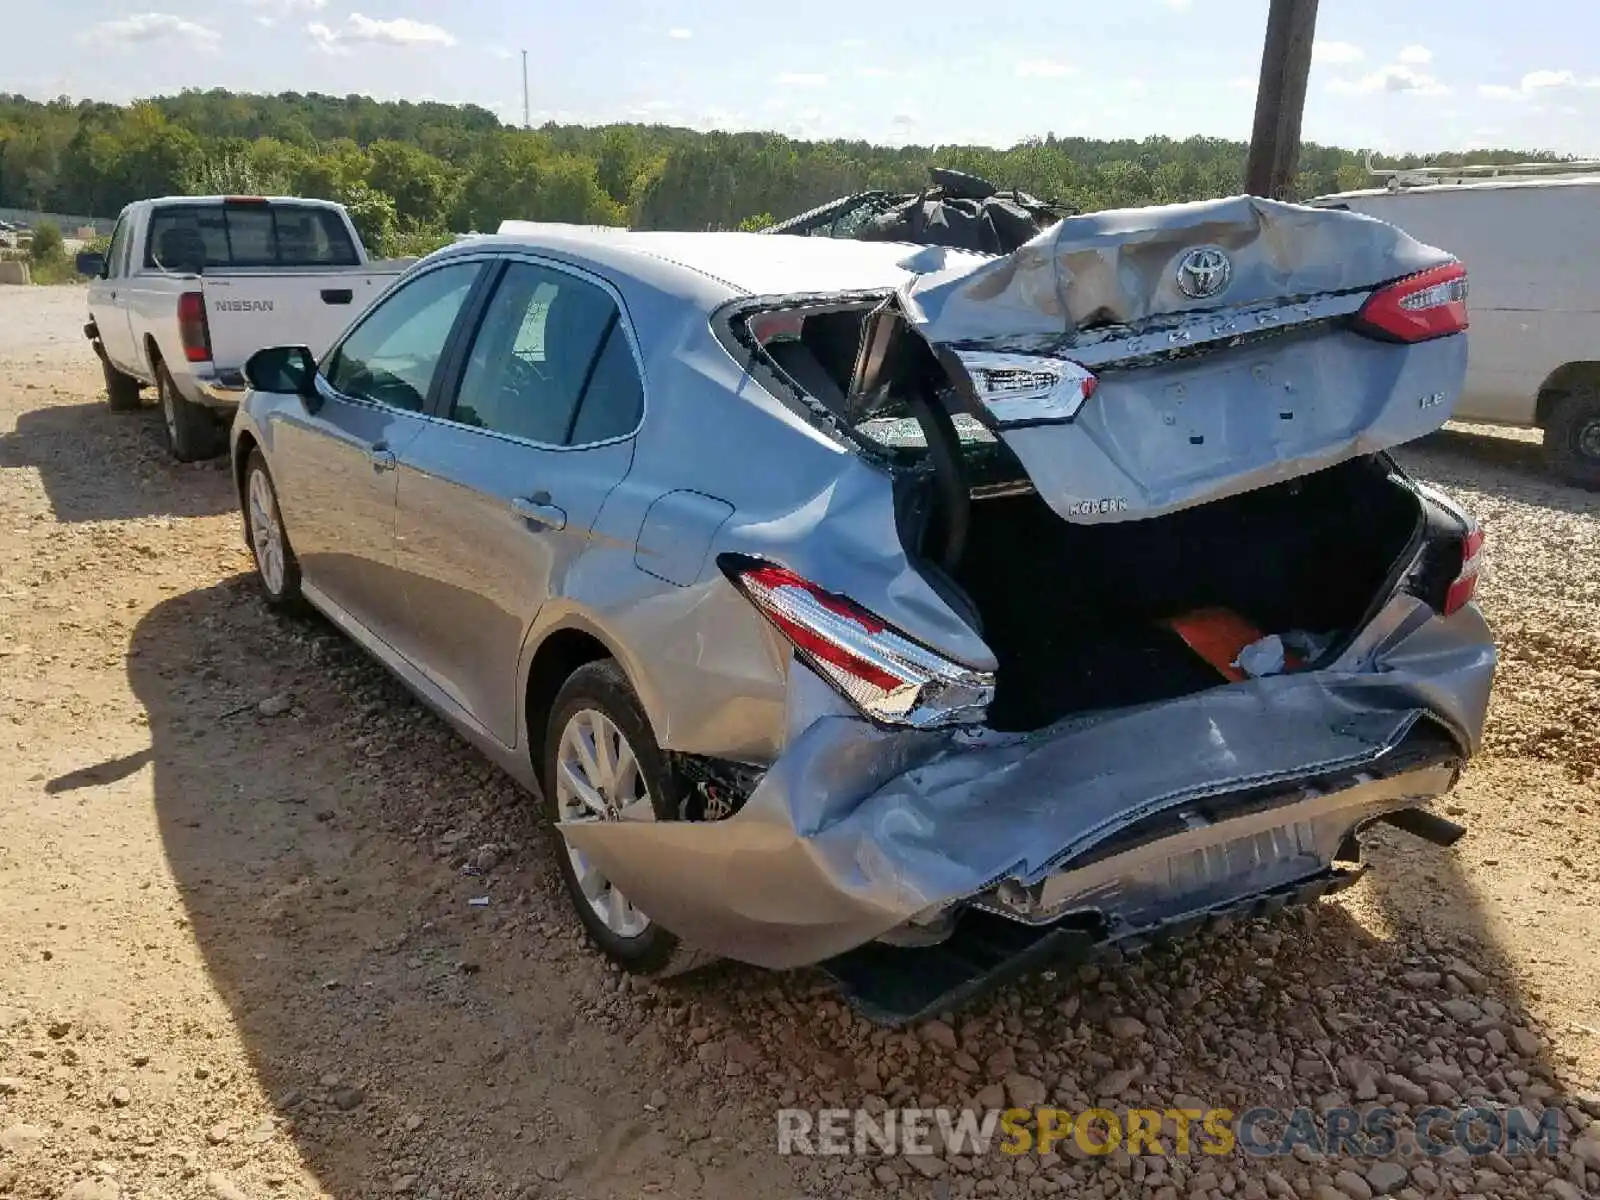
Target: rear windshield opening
814, 349
248, 235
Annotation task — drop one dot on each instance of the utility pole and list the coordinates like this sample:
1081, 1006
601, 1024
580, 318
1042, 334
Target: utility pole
1281, 99
527, 119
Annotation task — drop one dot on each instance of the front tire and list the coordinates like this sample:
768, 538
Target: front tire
193, 431
1572, 440
122, 391
600, 758
277, 569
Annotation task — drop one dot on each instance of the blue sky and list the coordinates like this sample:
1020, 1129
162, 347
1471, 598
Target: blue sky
1389, 74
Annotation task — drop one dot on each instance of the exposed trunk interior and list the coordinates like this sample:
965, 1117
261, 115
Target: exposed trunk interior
1074, 612
1077, 614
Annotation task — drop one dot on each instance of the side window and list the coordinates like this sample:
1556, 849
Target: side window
548, 346
118, 249
615, 399
391, 356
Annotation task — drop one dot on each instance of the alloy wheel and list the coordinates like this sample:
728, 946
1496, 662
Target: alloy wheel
266, 532
598, 778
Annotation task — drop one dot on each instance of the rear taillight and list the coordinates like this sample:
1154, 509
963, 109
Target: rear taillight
1023, 389
882, 672
1430, 304
1465, 585
193, 332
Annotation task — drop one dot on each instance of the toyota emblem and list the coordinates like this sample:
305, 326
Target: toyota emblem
1204, 272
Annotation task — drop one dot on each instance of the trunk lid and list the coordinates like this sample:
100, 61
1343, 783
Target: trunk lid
1141, 361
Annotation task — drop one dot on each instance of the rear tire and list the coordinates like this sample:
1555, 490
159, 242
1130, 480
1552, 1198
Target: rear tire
597, 703
193, 431
122, 391
1572, 439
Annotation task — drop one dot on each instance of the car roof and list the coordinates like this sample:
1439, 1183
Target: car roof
740, 263
1465, 185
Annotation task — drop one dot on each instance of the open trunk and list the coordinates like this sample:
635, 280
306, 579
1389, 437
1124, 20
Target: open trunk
1147, 439
1085, 617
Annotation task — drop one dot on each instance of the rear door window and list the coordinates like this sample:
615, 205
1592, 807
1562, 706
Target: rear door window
550, 363
248, 234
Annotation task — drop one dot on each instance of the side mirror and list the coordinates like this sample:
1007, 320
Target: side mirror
92, 263
286, 370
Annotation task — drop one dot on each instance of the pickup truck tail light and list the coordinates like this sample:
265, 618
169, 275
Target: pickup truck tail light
1418, 308
193, 331
889, 677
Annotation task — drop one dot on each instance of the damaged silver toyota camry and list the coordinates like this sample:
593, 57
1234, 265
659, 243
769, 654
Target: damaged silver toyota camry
921, 614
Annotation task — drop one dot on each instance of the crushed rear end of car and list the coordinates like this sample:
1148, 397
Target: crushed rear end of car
1205, 631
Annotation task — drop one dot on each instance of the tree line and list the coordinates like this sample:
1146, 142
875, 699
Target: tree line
412, 173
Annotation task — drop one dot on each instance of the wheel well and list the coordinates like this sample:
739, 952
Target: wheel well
241, 455
152, 352
1564, 380
560, 654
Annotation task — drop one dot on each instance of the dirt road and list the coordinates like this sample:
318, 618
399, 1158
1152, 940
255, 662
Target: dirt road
238, 958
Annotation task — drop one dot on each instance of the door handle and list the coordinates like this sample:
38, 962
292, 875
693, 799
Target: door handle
538, 509
381, 457
337, 295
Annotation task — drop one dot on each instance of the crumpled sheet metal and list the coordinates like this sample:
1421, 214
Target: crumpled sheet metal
1174, 432
855, 831
1120, 268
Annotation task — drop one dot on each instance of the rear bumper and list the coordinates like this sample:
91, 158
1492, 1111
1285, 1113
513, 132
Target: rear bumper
1130, 821
223, 390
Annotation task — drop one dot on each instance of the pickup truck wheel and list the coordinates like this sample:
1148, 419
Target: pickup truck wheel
276, 566
600, 758
122, 391
1572, 440
193, 431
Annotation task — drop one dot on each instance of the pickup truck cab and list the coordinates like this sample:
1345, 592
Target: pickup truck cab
191, 286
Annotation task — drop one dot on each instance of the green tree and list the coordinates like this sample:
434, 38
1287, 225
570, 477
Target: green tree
421, 186
47, 246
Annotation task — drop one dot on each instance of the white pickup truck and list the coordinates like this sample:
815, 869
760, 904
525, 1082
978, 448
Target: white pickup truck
191, 286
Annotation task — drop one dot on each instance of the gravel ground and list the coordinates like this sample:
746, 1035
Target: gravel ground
240, 959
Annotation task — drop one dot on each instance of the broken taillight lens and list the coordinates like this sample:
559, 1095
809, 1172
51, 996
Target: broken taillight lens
193, 332
1429, 304
1024, 389
1465, 585
882, 672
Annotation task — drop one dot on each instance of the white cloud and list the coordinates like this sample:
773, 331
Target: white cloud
151, 27
1396, 77
1043, 68
802, 79
358, 29
1179, 5
873, 72
904, 120
680, 34
1533, 81
1243, 83
1419, 56
1336, 52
